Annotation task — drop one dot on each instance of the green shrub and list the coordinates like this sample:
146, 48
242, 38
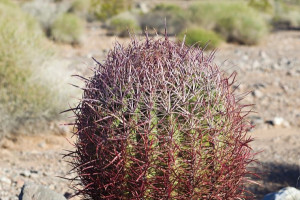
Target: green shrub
8, 3
286, 16
205, 14
175, 16
292, 2
104, 9
121, 24
81, 8
29, 95
200, 37
236, 21
262, 5
45, 12
68, 28
287, 20
240, 23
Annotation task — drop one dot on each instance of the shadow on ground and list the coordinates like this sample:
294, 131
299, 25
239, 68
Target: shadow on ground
274, 176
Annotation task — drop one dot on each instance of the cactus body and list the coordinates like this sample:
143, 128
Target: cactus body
158, 120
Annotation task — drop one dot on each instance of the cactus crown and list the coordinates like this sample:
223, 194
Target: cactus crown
158, 120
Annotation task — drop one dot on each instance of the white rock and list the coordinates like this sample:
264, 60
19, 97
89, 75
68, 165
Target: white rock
37, 192
5, 180
257, 94
143, 7
288, 193
25, 173
256, 64
262, 54
279, 121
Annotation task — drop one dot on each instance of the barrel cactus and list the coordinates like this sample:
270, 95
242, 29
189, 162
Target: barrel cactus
159, 120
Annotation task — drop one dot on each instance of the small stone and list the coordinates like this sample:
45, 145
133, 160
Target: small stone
5, 180
42, 145
31, 191
289, 73
25, 173
45, 174
275, 66
245, 57
143, 7
288, 193
263, 54
259, 85
68, 195
257, 94
278, 121
256, 64
32, 171
256, 120
52, 187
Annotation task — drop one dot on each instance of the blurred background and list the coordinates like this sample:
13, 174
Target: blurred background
44, 42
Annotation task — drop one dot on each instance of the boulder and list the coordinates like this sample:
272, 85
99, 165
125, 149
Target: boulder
31, 191
288, 193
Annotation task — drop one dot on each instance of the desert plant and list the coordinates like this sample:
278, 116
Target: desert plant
122, 24
236, 21
29, 94
159, 120
200, 37
286, 16
286, 20
67, 28
292, 2
244, 26
175, 16
81, 8
262, 5
104, 9
45, 11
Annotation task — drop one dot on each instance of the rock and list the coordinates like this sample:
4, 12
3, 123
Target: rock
25, 173
256, 120
31, 191
256, 64
143, 7
257, 94
259, 85
288, 193
42, 145
289, 73
263, 54
275, 66
278, 121
5, 180
68, 195
245, 57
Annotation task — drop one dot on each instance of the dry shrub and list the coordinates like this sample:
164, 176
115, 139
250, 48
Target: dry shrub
200, 37
122, 24
176, 18
234, 21
30, 97
67, 28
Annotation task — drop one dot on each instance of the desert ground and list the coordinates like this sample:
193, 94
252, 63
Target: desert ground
269, 72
